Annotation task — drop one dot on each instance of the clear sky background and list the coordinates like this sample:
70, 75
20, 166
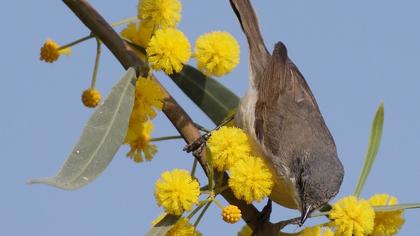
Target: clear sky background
354, 54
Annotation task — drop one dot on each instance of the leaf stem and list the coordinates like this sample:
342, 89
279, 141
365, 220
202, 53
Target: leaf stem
218, 204
165, 138
194, 167
96, 66
199, 206
118, 23
124, 21
76, 41
202, 214
220, 189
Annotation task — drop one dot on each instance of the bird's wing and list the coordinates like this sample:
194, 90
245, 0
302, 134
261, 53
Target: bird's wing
286, 106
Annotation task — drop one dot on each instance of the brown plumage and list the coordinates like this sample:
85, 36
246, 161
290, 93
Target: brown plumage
281, 115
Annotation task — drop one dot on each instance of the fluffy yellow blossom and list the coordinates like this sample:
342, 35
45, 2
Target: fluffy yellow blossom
163, 13
386, 223
168, 50
177, 191
231, 214
310, 231
250, 179
228, 145
138, 33
138, 137
217, 53
148, 99
91, 97
352, 216
183, 228
328, 232
51, 51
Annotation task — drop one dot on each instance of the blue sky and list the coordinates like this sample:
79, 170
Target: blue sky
354, 55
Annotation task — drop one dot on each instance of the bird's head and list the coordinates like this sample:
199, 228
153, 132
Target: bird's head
318, 180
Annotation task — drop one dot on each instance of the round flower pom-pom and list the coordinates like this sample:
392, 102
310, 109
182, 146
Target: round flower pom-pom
138, 137
139, 33
228, 145
389, 222
328, 232
183, 228
176, 191
231, 214
250, 179
168, 50
148, 99
163, 13
91, 97
51, 51
217, 53
351, 216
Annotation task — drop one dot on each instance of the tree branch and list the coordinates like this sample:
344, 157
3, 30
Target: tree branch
175, 113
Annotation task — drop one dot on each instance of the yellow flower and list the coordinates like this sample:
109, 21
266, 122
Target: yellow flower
148, 98
328, 232
168, 50
51, 51
177, 191
386, 223
183, 228
310, 231
139, 33
352, 216
217, 53
231, 214
228, 145
91, 97
250, 179
138, 137
163, 13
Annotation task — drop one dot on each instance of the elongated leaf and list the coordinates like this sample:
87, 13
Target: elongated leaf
374, 142
212, 97
163, 226
102, 136
397, 207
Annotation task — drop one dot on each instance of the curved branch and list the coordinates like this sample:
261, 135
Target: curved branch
175, 113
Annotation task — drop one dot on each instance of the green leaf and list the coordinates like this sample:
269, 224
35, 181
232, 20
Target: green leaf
102, 136
397, 207
163, 226
383, 208
212, 97
374, 142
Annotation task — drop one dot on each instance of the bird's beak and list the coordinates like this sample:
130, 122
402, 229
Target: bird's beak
305, 214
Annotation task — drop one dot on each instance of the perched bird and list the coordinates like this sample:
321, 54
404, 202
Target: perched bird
280, 114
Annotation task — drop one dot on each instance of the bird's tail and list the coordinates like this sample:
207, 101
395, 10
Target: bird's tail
259, 56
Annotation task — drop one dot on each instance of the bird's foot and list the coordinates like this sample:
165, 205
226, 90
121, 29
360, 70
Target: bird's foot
197, 146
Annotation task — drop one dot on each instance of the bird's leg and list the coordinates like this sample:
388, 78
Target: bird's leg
197, 146
263, 217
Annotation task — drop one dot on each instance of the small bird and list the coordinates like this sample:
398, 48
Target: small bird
281, 115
